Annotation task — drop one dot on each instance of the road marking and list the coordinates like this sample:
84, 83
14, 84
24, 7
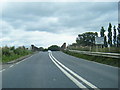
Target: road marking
17, 63
11, 66
20, 61
68, 75
2, 70
73, 73
23, 60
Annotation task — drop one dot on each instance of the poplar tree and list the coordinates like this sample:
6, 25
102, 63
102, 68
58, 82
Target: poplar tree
102, 31
110, 34
118, 36
114, 37
105, 41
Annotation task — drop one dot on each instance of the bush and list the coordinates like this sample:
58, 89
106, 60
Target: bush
54, 48
10, 53
45, 49
99, 49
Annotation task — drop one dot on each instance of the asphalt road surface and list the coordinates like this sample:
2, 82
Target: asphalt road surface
58, 70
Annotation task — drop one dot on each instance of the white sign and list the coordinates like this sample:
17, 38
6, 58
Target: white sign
99, 40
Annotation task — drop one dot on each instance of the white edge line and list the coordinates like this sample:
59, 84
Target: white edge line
23, 60
2, 70
16, 63
68, 75
11, 66
79, 77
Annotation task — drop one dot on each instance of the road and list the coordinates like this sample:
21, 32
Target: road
58, 70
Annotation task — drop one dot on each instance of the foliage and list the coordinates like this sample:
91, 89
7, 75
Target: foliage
86, 39
114, 37
118, 36
99, 49
41, 48
102, 34
11, 53
81, 48
45, 49
110, 34
54, 48
105, 41
102, 31
100, 59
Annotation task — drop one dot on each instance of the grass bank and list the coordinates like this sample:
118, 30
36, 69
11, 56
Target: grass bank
99, 59
99, 49
12, 53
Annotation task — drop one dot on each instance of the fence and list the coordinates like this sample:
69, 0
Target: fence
111, 55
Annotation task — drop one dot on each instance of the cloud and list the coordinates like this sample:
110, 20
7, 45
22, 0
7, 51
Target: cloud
47, 23
38, 38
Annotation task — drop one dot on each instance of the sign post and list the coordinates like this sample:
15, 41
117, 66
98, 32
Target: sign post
99, 41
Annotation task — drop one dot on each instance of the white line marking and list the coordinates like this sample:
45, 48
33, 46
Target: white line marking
68, 75
76, 75
11, 66
17, 62
23, 60
2, 70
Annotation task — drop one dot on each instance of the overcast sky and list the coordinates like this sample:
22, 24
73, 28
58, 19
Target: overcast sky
48, 23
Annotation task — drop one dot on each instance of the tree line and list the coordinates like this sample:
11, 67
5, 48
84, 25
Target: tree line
112, 39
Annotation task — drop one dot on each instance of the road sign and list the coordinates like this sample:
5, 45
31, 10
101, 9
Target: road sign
99, 40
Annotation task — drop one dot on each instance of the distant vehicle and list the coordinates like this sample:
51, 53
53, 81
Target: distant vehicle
49, 50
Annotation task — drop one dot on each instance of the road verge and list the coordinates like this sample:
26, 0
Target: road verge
100, 59
18, 59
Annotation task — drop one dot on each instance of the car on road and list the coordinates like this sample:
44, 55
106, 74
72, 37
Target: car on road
49, 50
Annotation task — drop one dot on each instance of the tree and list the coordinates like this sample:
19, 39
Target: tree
110, 34
6, 51
102, 31
12, 48
41, 48
105, 41
54, 48
114, 37
118, 36
86, 39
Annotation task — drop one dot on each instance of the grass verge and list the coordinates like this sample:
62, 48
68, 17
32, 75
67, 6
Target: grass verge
12, 57
99, 59
8, 54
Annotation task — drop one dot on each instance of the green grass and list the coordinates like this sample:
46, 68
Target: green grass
11, 53
93, 49
11, 57
99, 59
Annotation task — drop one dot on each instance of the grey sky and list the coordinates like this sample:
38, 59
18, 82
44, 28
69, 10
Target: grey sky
47, 23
